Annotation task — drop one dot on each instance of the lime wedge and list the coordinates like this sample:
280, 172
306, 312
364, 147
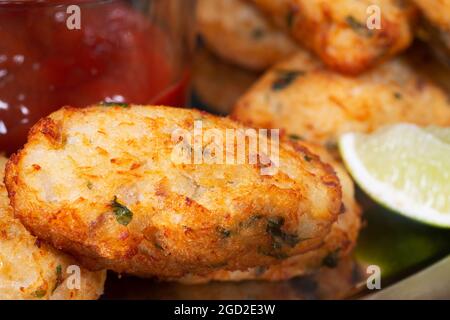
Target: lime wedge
404, 168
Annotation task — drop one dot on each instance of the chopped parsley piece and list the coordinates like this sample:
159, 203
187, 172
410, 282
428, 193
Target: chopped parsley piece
59, 278
224, 233
258, 33
274, 225
285, 78
331, 145
259, 271
122, 213
290, 19
397, 95
158, 246
295, 137
358, 26
40, 293
332, 259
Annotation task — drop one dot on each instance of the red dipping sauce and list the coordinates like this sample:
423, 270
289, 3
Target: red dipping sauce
118, 55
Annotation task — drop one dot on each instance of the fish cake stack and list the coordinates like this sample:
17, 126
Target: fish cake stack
354, 69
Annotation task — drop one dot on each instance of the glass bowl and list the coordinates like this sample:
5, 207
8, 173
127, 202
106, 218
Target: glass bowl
80, 52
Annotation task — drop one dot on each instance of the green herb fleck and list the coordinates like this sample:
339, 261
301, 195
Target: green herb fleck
285, 78
260, 270
114, 104
332, 259
290, 19
59, 278
122, 213
158, 246
358, 26
307, 158
295, 137
90, 185
59, 270
224, 233
40, 293
331, 145
274, 225
258, 33
398, 95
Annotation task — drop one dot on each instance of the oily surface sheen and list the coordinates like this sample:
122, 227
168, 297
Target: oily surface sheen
31, 269
101, 183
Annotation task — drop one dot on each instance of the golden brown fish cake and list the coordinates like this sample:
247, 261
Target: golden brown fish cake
30, 269
106, 184
337, 32
338, 244
217, 83
318, 105
239, 33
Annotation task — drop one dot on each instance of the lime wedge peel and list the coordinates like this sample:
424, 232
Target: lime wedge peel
427, 145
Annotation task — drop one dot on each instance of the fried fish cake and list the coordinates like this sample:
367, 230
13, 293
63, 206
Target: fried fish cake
30, 269
239, 33
337, 245
136, 190
318, 105
337, 31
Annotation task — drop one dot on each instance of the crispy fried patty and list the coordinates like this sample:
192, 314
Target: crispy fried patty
106, 184
316, 104
337, 30
337, 245
239, 33
31, 269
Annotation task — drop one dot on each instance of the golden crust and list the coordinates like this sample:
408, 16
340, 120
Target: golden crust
337, 245
336, 30
238, 33
30, 269
80, 166
318, 104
